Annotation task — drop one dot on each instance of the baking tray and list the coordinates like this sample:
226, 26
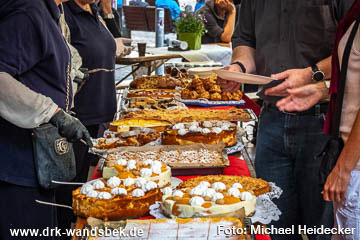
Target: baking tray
181, 169
203, 102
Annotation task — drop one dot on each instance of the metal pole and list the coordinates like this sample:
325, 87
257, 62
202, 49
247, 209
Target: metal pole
159, 34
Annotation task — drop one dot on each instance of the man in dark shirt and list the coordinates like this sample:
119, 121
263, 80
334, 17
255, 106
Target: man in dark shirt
220, 18
294, 39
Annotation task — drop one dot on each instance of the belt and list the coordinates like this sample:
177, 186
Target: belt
316, 110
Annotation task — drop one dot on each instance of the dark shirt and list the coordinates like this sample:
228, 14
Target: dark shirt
288, 34
213, 23
113, 24
33, 51
95, 103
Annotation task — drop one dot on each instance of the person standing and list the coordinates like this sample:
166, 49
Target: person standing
34, 59
220, 17
172, 5
290, 41
95, 101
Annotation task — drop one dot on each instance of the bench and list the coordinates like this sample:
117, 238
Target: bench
138, 18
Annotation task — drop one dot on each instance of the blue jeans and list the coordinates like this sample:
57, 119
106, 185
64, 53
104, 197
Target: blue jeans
285, 151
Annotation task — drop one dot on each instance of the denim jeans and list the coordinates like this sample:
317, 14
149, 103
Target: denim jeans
285, 150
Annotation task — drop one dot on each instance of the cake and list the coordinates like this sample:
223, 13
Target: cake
146, 103
157, 81
209, 132
155, 93
196, 155
115, 199
112, 140
125, 125
212, 196
180, 229
125, 168
191, 115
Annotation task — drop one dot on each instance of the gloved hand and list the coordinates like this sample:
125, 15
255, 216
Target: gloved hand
70, 127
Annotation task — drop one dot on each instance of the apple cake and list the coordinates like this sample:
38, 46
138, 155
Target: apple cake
191, 115
208, 132
212, 196
115, 198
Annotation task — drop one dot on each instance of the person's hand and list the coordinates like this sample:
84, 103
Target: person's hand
227, 6
106, 6
294, 78
303, 98
228, 85
336, 184
70, 127
121, 49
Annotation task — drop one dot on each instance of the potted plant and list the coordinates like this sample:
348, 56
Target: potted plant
190, 28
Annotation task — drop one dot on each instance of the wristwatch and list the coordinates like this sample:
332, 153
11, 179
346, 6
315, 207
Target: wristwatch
317, 74
109, 16
243, 69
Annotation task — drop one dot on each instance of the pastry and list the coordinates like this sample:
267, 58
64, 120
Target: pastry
194, 155
115, 199
155, 93
215, 89
185, 94
209, 132
193, 95
157, 81
226, 96
124, 125
124, 168
215, 96
213, 195
190, 115
205, 94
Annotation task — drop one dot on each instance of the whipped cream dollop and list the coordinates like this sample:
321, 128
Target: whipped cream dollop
216, 130
182, 132
193, 128
104, 195
196, 124
167, 191
140, 182
146, 172
234, 192
204, 184
199, 190
119, 191
218, 186
178, 193
150, 185
138, 193
129, 182
196, 201
121, 162
205, 131
207, 124
156, 163
246, 196
147, 162
92, 194
237, 185
179, 126
156, 169
217, 196
131, 165
209, 192
86, 188
98, 184
113, 182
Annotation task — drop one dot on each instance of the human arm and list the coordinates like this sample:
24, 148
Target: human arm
295, 78
22, 106
338, 180
230, 23
303, 98
110, 22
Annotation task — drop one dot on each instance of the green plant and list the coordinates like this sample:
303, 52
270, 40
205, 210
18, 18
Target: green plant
190, 24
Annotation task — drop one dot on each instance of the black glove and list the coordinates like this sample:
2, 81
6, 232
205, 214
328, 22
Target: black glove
70, 127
